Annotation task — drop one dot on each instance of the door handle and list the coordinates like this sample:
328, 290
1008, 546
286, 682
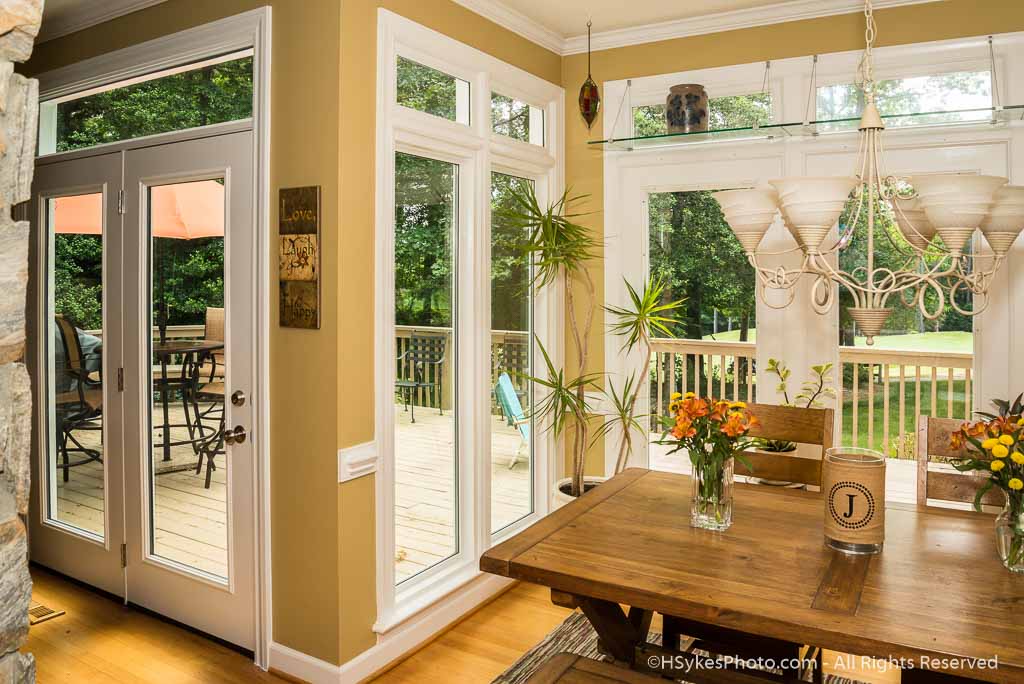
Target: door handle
236, 436
238, 398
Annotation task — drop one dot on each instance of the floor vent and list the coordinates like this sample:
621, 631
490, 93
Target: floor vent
40, 613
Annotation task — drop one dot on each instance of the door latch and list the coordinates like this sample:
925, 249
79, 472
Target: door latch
236, 436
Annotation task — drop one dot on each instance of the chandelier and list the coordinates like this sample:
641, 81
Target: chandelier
949, 206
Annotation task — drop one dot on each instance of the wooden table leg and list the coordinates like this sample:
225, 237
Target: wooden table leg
615, 630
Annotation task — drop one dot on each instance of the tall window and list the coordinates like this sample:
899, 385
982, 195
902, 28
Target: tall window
917, 365
511, 362
210, 92
462, 463
693, 252
426, 450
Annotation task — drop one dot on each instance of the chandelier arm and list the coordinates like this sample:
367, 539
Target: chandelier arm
940, 295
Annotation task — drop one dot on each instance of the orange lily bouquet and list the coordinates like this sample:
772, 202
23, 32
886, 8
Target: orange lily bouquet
995, 445
713, 432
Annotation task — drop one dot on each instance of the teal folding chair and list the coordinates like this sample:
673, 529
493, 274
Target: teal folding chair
508, 400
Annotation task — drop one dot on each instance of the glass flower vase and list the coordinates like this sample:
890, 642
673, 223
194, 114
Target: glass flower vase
1010, 536
711, 505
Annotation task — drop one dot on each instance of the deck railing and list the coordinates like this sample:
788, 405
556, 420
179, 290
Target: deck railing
510, 353
882, 391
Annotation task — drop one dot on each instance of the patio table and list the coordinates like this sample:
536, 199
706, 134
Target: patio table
937, 598
192, 353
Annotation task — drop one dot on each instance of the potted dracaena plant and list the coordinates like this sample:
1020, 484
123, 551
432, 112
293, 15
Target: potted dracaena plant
559, 249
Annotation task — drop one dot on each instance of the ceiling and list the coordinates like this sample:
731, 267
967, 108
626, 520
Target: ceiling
568, 18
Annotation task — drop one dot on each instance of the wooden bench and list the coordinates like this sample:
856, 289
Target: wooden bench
570, 668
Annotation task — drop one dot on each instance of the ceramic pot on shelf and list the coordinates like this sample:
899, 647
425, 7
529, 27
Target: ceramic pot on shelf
686, 109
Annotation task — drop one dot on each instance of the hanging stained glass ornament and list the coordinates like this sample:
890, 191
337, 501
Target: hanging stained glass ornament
590, 96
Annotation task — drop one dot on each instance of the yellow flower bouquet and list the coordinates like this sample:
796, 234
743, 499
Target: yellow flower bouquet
712, 432
994, 446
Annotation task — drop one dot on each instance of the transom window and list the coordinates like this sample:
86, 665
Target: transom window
732, 111
198, 94
431, 91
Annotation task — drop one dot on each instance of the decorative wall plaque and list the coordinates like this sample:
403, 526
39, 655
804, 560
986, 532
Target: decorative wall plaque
299, 252
853, 482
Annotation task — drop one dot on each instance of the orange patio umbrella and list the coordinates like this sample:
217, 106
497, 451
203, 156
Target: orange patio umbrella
181, 211
184, 211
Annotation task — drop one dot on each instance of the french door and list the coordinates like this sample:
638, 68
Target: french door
145, 369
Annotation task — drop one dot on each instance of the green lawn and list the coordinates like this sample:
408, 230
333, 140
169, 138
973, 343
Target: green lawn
909, 428
929, 341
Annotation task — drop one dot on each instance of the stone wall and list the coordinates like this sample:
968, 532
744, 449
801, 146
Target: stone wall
19, 105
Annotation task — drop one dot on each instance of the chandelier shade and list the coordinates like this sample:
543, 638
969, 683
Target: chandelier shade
812, 205
749, 212
913, 222
956, 204
1005, 219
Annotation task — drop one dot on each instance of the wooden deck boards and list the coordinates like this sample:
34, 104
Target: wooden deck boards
425, 529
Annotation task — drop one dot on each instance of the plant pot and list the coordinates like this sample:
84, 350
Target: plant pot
562, 487
711, 501
802, 450
1010, 536
686, 109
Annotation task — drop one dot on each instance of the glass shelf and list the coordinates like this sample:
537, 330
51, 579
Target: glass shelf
774, 131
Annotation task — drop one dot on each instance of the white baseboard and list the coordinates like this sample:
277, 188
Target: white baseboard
421, 627
301, 666
393, 645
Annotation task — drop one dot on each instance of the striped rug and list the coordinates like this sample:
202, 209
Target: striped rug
575, 635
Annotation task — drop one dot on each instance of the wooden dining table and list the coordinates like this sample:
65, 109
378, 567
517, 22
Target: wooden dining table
936, 599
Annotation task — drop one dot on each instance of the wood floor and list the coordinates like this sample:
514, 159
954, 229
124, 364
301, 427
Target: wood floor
100, 641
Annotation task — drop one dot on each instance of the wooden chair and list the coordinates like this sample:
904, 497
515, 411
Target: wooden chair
788, 424
78, 401
213, 366
945, 484
420, 367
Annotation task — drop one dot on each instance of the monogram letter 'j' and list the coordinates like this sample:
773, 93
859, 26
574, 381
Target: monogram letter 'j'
849, 513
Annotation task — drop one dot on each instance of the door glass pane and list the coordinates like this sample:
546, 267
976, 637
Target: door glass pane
511, 335
426, 469
695, 254
187, 477
75, 470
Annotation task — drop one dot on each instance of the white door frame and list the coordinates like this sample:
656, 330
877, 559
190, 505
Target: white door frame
248, 30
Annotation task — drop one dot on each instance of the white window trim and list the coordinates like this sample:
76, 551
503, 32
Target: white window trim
478, 151
994, 338
244, 31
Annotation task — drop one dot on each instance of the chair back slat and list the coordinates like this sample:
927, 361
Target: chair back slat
72, 345
789, 424
214, 329
942, 483
426, 348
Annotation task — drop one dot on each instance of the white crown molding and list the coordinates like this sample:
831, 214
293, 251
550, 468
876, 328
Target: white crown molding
356, 461
724, 21
516, 22
527, 27
88, 14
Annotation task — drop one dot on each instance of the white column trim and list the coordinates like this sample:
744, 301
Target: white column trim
357, 461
